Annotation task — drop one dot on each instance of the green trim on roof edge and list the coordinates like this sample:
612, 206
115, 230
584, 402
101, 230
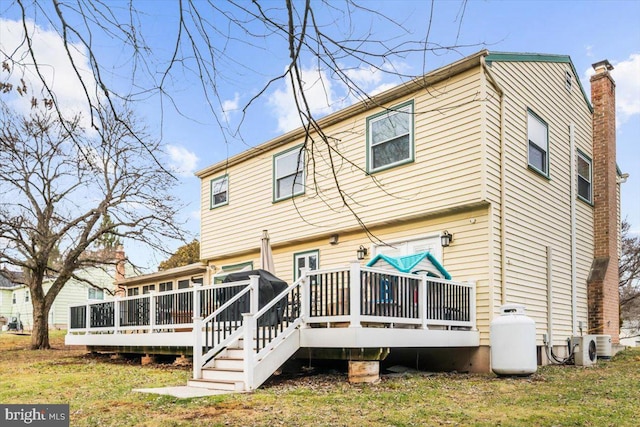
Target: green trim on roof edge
539, 57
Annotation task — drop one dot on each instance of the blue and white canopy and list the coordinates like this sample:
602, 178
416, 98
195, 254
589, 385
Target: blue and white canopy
422, 262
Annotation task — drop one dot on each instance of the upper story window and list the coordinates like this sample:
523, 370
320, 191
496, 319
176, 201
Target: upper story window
13, 298
390, 138
538, 134
219, 191
584, 177
95, 293
568, 80
288, 174
26, 296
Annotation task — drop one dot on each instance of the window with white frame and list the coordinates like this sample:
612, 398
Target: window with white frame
233, 268
288, 174
94, 293
26, 296
584, 177
13, 298
148, 288
390, 138
133, 292
183, 284
219, 191
308, 259
538, 135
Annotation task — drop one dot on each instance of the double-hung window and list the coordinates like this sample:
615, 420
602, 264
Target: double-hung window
584, 177
219, 191
538, 135
390, 138
288, 174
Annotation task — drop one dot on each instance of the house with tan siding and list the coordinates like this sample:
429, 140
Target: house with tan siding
497, 149
499, 166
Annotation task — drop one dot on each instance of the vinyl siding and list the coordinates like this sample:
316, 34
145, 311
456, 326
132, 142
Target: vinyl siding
537, 209
466, 259
72, 293
446, 174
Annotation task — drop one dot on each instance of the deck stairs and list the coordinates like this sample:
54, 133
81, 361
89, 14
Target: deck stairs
230, 370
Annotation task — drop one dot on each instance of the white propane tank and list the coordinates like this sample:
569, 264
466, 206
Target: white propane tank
513, 342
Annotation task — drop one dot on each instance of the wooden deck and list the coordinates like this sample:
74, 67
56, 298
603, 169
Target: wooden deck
351, 307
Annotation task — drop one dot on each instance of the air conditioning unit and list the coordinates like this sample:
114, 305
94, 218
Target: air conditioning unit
603, 344
585, 350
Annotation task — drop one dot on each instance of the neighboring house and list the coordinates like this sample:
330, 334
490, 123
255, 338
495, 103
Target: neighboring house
10, 281
74, 292
503, 151
630, 333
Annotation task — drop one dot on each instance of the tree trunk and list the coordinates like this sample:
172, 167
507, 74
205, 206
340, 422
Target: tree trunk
40, 333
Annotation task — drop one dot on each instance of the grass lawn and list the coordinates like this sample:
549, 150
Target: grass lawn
99, 393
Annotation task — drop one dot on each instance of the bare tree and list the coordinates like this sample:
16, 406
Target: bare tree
59, 182
629, 271
216, 44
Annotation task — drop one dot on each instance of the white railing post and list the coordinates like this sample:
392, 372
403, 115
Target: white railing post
87, 319
422, 302
305, 292
69, 321
249, 322
197, 333
152, 311
354, 294
254, 303
472, 304
116, 314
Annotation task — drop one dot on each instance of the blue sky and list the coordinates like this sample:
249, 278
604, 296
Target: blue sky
587, 31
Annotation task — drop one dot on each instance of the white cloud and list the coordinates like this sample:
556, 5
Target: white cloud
364, 76
230, 106
626, 74
319, 91
53, 63
182, 161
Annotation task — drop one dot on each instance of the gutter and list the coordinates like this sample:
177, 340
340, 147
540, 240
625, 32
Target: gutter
503, 163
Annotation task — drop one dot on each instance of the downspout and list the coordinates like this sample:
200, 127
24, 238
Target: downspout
572, 145
503, 163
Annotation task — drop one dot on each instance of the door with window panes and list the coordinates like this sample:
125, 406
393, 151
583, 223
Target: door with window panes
305, 260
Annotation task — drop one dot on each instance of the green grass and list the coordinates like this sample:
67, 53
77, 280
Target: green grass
98, 390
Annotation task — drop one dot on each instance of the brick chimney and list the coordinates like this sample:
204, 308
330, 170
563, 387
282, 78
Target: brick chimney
602, 284
120, 258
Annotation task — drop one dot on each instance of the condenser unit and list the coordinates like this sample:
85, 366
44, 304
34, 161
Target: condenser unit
585, 350
603, 346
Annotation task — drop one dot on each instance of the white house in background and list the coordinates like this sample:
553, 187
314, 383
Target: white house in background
16, 300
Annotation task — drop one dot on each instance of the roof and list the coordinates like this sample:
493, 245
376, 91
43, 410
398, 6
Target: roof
389, 95
539, 57
186, 270
411, 263
394, 93
11, 279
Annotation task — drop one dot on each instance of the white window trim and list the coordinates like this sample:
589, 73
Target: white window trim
212, 184
298, 153
590, 180
533, 116
405, 108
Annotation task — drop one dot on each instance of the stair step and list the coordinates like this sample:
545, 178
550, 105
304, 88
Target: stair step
225, 362
217, 385
217, 374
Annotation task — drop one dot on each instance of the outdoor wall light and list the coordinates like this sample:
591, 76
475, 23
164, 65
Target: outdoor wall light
333, 239
361, 252
446, 238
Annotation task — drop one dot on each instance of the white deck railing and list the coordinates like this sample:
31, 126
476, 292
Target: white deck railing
216, 315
